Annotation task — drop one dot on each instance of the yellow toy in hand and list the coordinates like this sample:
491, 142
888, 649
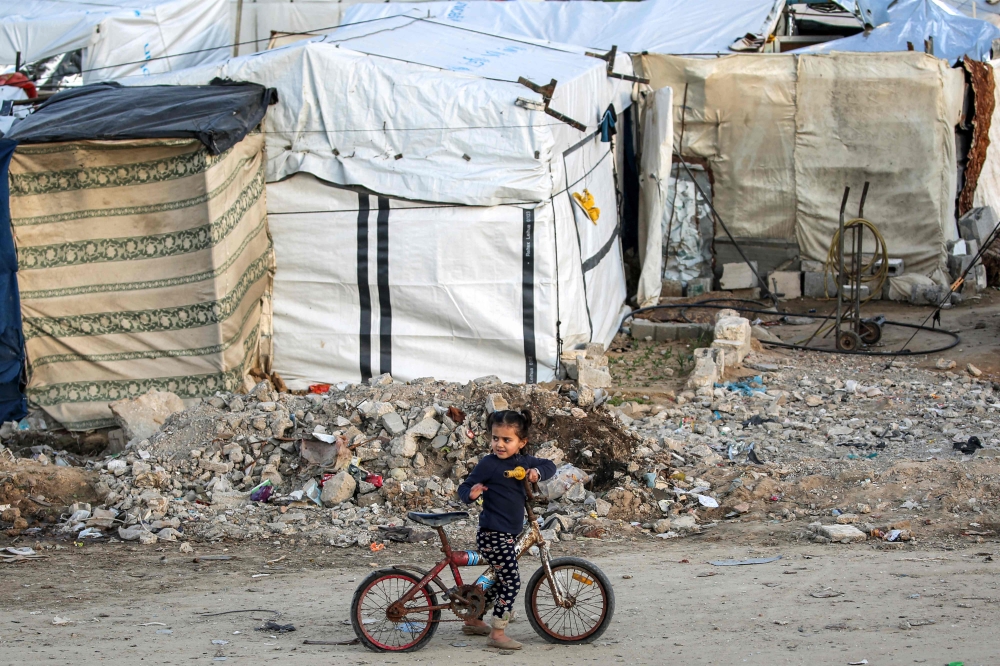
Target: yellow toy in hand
586, 201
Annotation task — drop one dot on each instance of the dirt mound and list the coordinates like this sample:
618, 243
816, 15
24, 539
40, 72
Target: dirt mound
41, 492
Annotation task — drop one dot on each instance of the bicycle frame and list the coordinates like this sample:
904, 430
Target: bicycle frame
530, 537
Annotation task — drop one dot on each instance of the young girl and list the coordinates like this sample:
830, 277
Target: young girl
503, 515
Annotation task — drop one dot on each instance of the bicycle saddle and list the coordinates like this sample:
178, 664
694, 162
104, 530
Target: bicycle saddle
437, 519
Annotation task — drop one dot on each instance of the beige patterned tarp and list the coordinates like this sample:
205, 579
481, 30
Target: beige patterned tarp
142, 265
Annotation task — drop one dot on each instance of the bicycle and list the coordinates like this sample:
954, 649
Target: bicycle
567, 600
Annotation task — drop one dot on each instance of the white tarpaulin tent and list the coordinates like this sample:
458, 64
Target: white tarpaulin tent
423, 217
118, 37
684, 27
911, 22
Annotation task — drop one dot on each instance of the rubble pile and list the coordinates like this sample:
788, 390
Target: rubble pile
343, 465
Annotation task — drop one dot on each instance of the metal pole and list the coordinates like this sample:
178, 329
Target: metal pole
857, 265
239, 22
17, 62
840, 268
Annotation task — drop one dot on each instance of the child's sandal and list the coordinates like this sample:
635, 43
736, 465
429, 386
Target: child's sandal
472, 630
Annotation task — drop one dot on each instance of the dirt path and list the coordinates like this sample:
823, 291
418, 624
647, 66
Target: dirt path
668, 611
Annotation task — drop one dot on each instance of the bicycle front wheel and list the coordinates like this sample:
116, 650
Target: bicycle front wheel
374, 623
589, 596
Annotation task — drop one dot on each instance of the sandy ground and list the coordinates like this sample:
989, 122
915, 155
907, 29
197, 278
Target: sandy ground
671, 606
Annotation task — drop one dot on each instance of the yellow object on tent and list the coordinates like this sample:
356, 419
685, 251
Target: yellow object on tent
586, 201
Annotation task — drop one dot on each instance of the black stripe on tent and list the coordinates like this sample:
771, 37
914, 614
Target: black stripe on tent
528, 297
364, 290
591, 263
384, 304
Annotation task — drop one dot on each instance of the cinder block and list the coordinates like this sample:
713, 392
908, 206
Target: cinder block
818, 285
693, 331
642, 329
977, 224
739, 276
849, 291
671, 288
895, 266
699, 286
786, 283
810, 266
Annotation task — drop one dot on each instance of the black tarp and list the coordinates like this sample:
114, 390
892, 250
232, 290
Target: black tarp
219, 114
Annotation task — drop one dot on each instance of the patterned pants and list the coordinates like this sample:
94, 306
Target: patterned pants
497, 548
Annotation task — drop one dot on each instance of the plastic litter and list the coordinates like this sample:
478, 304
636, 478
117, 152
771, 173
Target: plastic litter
274, 626
565, 478
262, 491
736, 563
312, 491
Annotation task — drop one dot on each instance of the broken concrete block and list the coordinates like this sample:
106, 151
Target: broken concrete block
841, 533
895, 268
699, 286
977, 224
762, 334
404, 445
691, 331
733, 335
338, 489
819, 285
428, 429
393, 424
497, 403
142, 417
709, 366
785, 284
739, 276
849, 291
594, 376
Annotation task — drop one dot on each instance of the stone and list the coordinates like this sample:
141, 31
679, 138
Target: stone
428, 429
661, 526
944, 364
404, 445
337, 489
578, 413
594, 376
786, 285
142, 417
186, 549
977, 224
684, 522
398, 473
841, 533
738, 276
496, 403
709, 366
847, 519
761, 333
585, 396
814, 400
973, 370
733, 335
602, 508
393, 423
216, 467
130, 533
550, 451
369, 499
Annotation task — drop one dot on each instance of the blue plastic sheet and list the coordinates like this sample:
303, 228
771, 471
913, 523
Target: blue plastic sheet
13, 404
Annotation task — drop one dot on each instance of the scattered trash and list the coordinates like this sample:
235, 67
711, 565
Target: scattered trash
262, 491
274, 626
826, 594
61, 621
968, 447
734, 563
350, 641
219, 641
863, 662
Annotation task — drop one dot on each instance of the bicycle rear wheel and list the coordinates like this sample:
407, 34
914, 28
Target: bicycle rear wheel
592, 602
370, 616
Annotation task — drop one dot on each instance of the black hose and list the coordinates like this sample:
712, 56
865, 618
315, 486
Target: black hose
710, 304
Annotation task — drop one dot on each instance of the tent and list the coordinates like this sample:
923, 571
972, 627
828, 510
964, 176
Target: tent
143, 257
689, 27
118, 37
914, 23
422, 202
782, 135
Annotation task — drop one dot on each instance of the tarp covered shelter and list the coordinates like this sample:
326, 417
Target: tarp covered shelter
143, 255
686, 27
782, 135
921, 25
118, 37
422, 202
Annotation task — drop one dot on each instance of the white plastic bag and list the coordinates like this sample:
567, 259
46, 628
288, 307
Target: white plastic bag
566, 476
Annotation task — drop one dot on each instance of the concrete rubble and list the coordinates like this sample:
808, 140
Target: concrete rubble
849, 448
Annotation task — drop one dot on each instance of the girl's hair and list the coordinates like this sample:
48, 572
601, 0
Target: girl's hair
519, 418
